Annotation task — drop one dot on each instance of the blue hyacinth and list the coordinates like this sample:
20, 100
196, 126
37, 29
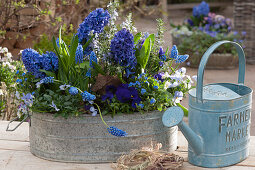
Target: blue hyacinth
116, 132
201, 10
86, 96
73, 91
47, 80
92, 58
182, 58
95, 21
49, 61
33, 62
88, 74
79, 54
174, 52
122, 49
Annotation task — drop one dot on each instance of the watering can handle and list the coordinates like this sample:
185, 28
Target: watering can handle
200, 73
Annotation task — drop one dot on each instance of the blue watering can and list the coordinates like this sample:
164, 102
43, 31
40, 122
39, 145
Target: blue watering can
219, 118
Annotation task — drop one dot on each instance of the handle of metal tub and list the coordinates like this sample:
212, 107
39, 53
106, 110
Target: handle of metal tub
17, 118
201, 68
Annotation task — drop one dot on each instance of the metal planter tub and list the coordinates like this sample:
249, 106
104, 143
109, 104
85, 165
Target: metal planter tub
86, 140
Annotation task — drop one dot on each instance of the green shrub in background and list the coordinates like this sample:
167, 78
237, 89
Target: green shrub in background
45, 42
8, 83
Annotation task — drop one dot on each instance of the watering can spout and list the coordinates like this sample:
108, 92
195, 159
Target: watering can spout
194, 140
172, 117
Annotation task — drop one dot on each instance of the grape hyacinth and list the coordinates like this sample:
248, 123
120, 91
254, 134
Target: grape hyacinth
79, 54
174, 52
46, 80
182, 58
73, 91
116, 132
92, 58
95, 22
86, 96
122, 49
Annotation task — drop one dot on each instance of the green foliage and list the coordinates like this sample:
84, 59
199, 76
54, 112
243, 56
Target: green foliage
204, 41
143, 55
45, 43
69, 105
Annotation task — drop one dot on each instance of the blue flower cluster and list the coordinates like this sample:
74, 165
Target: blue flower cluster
92, 58
47, 80
116, 132
201, 10
161, 54
110, 91
122, 49
49, 61
33, 62
174, 52
124, 93
127, 94
86, 96
95, 21
181, 58
73, 91
178, 58
79, 54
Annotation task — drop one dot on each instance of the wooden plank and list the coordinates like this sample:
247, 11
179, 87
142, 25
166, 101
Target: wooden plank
24, 160
14, 145
250, 162
14, 153
21, 133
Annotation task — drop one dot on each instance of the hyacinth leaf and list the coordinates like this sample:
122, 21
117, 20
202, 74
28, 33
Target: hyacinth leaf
143, 58
62, 67
55, 45
88, 42
185, 110
48, 73
167, 50
98, 68
73, 47
137, 37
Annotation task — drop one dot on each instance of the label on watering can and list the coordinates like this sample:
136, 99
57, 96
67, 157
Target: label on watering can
235, 127
218, 92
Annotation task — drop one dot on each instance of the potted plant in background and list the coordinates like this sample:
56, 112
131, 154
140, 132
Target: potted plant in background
108, 81
201, 30
224, 57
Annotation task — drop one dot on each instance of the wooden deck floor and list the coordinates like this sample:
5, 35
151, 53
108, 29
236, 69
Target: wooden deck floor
15, 154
